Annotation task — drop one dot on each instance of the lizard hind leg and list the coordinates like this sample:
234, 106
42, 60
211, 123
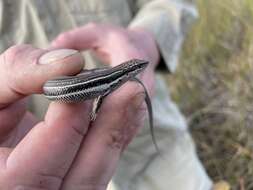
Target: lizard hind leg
96, 105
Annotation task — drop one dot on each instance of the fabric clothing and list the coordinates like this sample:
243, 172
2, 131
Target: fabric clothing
38, 22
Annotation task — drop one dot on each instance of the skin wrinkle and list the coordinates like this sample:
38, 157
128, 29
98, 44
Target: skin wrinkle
13, 89
49, 177
117, 137
5, 64
40, 181
23, 73
12, 54
25, 187
80, 131
9, 87
76, 132
121, 136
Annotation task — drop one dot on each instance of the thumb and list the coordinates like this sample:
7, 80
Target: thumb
24, 69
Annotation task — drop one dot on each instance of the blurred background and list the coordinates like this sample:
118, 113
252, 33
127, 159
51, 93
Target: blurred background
213, 86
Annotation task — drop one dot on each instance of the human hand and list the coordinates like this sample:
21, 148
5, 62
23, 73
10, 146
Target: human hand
63, 151
114, 45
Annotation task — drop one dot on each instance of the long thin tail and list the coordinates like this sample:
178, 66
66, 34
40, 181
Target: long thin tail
150, 113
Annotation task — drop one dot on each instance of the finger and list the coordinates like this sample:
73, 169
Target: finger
122, 115
24, 69
82, 38
10, 118
27, 122
49, 148
45, 154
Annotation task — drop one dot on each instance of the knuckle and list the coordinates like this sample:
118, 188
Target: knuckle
117, 138
120, 136
14, 52
129, 97
13, 72
15, 82
16, 60
123, 130
135, 96
63, 37
116, 35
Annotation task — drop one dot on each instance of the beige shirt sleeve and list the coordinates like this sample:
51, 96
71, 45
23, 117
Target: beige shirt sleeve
168, 20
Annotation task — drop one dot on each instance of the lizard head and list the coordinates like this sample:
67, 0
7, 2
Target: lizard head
134, 66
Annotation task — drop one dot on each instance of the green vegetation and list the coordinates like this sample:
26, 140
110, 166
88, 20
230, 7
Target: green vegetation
214, 88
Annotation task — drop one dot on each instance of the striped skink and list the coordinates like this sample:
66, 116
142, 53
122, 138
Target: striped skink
97, 84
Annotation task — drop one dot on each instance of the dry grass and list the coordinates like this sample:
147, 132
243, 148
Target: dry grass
214, 88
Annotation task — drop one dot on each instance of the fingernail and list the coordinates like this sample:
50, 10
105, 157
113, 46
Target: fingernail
56, 55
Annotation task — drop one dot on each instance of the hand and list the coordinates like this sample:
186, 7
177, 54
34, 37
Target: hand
64, 151
114, 45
